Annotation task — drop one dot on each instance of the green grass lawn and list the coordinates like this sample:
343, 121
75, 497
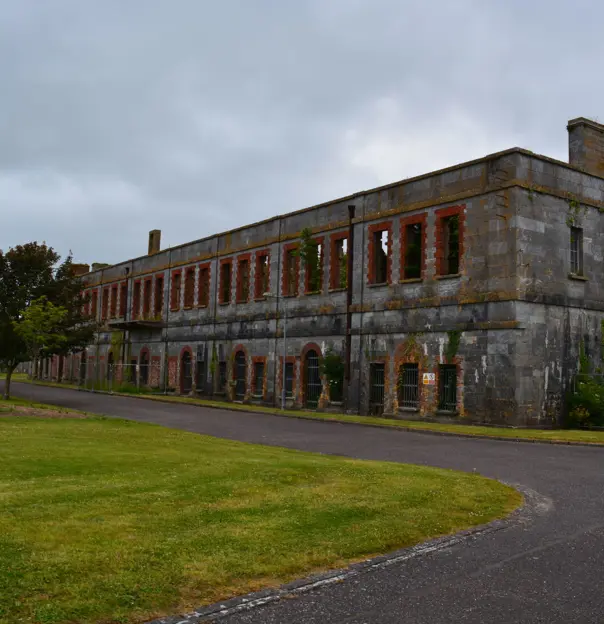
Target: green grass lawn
105, 520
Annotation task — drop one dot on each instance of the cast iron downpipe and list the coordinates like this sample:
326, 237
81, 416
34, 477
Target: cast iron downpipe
349, 285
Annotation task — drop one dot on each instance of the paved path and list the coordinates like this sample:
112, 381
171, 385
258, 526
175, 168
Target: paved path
549, 569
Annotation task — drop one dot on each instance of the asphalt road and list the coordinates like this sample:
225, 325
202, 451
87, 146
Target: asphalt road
548, 568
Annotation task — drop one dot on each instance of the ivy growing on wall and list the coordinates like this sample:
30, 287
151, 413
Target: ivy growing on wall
452, 344
308, 251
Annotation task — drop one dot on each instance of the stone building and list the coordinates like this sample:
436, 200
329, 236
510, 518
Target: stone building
466, 292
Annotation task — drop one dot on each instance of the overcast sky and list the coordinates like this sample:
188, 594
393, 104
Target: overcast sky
120, 116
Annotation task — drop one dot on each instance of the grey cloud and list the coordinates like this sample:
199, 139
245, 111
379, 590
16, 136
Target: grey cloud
195, 116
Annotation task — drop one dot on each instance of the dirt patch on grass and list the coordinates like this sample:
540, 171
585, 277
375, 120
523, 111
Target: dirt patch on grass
38, 412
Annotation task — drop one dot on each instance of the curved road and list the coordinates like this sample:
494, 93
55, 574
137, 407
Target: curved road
549, 568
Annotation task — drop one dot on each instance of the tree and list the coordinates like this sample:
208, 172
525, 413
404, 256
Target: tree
28, 272
41, 327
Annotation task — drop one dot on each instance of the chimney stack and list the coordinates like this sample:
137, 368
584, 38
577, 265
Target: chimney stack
586, 145
154, 241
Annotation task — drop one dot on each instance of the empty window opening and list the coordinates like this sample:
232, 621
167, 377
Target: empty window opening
262, 275
413, 251
123, 299
189, 287
159, 296
380, 256
340, 264
204, 286
243, 284
314, 267
291, 272
450, 233
175, 296
136, 300
576, 250
408, 386
225, 283
114, 301
447, 387
105, 304
147, 298
94, 303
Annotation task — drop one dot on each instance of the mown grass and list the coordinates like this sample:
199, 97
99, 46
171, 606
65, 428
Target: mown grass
105, 520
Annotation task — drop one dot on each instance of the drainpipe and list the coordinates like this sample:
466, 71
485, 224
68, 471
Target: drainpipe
276, 366
362, 314
167, 282
215, 302
349, 287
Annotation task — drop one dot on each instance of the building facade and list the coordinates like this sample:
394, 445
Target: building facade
466, 293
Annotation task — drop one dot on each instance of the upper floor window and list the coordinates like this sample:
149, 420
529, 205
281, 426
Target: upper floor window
147, 298
449, 240
113, 301
94, 303
189, 287
380, 247
136, 300
243, 280
105, 304
412, 235
576, 251
313, 265
339, 261
204, 285
291, 267
123, 298
175, 294
225, 281
159, 296
262, 274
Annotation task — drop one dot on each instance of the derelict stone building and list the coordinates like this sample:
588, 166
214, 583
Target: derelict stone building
467, 291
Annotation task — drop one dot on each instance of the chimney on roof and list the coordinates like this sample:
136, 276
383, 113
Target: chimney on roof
80, 269
97, 266
586, 145
154, 241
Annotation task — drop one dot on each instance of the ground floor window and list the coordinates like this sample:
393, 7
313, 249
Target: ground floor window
408, 386
376, 388
289, 379
200, 379
447, 387
258, 379
222, 376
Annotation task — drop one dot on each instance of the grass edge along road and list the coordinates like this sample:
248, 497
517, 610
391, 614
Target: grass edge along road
560, 436
112, 520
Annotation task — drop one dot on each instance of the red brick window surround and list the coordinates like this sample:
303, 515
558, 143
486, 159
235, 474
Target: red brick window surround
123, 298
175, 289
158, 303
291, 270
413, 247
189, 287
136, 300
105, 304
94, 303
147, 297
450, 240
338, 261
203, 286
226, 281
243, 278
313, 283
113, 306
380, 252
263, 273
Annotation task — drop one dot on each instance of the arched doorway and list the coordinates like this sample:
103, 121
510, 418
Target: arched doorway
144, 368
240, 375
186, 373
312, 380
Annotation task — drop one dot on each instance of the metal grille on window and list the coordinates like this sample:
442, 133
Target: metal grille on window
222, 375
144, 369
289, 379
576, 250
376, 388
313, 386
447, 387
240, 374
408, 386
258, 379
200, 381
